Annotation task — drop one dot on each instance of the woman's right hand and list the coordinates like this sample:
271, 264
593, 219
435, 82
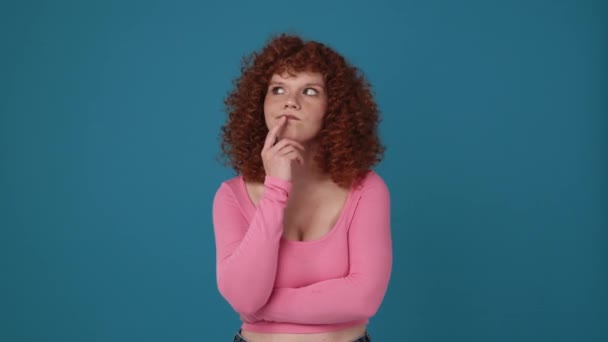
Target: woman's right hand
279, 158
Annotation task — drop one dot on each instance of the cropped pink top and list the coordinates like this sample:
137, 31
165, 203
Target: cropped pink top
286, 286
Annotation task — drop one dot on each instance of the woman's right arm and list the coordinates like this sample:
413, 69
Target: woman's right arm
247, 252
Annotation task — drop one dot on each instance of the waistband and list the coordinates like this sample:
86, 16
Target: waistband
363, 338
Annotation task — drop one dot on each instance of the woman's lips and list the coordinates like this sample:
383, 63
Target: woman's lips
289, 117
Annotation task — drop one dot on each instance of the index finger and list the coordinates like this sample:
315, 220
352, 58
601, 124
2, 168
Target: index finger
272, 134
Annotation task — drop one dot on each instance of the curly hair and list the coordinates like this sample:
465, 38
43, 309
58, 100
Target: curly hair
348, 143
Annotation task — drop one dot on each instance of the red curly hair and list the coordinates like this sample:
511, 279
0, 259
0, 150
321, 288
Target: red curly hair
348, 141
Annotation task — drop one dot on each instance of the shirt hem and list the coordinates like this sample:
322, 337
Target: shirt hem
290, 328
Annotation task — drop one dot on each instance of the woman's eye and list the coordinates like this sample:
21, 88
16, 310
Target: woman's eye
310, 91
277, 90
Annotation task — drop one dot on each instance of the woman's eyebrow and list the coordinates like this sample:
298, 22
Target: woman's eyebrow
315, 84
306, 85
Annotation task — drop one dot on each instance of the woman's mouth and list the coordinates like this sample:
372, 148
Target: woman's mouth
289, 117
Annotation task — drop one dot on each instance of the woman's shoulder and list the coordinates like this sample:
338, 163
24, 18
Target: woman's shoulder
372, 180
232, 186
233, 181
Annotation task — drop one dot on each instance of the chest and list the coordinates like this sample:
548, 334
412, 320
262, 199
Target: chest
305, 256
309, 215
312, 217
304, 263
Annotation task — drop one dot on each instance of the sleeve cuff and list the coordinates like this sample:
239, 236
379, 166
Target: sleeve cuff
275, 182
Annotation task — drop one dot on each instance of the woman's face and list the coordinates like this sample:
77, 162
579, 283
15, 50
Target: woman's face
302, 98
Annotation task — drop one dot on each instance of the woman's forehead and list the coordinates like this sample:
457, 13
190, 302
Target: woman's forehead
297, 76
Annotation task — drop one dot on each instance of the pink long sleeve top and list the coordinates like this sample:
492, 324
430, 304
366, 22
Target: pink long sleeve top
289, 286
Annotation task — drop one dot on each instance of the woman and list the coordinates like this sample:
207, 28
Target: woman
302, 232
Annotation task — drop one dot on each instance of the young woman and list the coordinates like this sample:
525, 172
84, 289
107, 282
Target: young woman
302, 232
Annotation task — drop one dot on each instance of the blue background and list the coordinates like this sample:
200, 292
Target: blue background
494, 114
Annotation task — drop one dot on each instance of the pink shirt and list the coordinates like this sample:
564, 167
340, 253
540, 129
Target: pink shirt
289, 286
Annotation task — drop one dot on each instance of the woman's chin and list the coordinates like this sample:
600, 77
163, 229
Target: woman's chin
296, 136
291, 136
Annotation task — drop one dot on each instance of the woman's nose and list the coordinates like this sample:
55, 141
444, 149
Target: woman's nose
292, 102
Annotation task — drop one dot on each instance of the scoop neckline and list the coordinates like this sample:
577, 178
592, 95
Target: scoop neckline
326, 236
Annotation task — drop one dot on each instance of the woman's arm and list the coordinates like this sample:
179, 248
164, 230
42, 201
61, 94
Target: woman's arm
247, 252
359, 294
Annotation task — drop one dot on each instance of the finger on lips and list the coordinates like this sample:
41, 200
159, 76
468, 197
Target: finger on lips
272, 134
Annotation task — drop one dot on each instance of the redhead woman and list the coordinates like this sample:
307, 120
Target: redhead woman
302, 232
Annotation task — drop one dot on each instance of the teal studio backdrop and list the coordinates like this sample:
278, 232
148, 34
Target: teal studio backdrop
494, 115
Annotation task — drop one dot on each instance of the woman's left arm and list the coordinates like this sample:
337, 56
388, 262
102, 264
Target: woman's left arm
357, 295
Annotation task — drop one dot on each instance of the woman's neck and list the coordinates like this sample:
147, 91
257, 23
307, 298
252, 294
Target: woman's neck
309, 173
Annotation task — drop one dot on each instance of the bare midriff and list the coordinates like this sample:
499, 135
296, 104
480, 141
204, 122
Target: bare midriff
344, 335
